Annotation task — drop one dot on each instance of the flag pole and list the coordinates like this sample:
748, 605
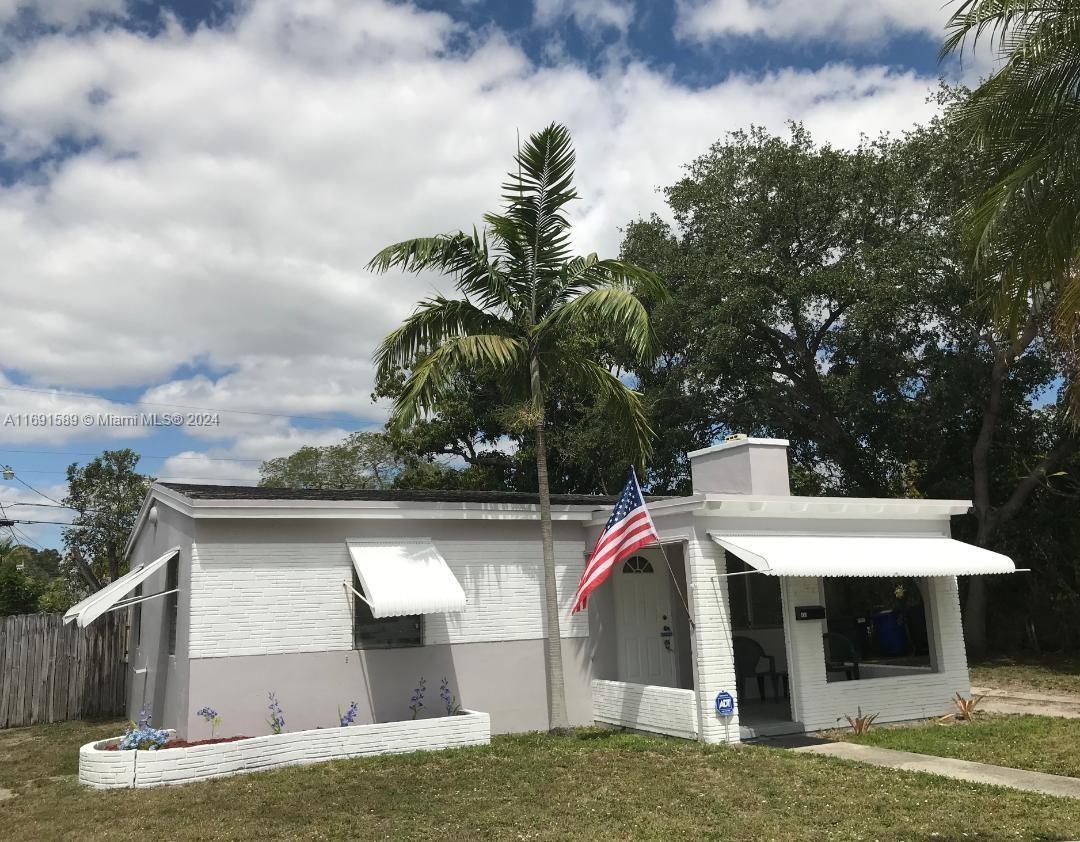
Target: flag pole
667, 561
675, 582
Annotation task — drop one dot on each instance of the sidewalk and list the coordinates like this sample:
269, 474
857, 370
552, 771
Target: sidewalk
1028, 701
949, 767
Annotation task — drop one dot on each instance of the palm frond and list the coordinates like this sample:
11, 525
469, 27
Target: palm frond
629, 421
432, 378
536, 195
612, 309
434, 321
466, 258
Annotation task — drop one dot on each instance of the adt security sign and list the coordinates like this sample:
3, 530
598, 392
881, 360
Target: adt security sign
725, 704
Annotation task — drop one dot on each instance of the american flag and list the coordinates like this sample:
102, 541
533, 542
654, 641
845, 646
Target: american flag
629, 528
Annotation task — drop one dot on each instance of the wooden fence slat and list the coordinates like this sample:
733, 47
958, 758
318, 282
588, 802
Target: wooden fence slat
50, 672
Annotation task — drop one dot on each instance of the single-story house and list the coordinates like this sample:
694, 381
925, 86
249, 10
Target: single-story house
759, 613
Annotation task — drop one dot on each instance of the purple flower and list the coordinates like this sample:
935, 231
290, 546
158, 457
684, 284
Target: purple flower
350, 714
417, 700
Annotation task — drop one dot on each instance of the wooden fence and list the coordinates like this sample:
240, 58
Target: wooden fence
50, 672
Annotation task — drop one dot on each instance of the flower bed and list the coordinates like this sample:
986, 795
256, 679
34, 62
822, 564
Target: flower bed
102, 768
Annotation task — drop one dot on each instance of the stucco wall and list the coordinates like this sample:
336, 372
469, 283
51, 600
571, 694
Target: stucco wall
162, 688
504, 679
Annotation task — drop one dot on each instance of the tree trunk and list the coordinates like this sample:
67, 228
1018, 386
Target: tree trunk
553, 665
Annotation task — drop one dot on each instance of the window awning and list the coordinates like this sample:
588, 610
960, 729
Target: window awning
85, 612
405, 576
826, 555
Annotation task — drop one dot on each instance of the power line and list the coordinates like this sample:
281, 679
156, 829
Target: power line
41, 493
141, 455
77, 395
241, 480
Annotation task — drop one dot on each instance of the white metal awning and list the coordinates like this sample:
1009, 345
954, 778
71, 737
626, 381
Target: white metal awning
405, 576
102, 601
827, 555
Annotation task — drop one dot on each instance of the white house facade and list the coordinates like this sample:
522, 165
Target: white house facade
791, 612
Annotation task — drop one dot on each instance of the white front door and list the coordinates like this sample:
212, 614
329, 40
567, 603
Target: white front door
643, 625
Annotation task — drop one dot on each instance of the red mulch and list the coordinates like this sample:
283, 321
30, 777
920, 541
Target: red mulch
185, 743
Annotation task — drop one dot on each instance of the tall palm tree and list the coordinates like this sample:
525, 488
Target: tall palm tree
523, 295
1026, 117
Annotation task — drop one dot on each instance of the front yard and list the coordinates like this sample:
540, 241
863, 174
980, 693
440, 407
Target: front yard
1051, 673
592, 784
1039, 743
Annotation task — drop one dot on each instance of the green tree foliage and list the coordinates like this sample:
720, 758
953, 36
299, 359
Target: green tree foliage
1025, 118
106, 494
362, 460
525, 297
825, 296
19, 591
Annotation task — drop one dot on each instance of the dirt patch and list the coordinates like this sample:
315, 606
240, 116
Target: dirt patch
185, 743
5, 794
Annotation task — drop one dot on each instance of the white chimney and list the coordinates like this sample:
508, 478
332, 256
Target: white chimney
741, 465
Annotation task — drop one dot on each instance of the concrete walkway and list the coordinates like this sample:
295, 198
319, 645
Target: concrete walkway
1028, 701
949, 767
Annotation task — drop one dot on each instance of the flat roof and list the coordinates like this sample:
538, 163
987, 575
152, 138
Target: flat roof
394, 495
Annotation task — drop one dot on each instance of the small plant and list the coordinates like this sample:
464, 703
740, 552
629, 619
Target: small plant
210, 716
861, 723
417, 700
450, 700
965, 707
142, 735
277, 716
349, 715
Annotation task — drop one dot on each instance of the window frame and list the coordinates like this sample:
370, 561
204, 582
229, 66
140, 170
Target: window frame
136, 618
362, 617
172, 602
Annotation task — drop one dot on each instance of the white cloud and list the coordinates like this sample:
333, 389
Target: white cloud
232, 183
591, 16
33, 416
851, 21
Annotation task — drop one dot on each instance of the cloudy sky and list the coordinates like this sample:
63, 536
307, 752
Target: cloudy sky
189, 190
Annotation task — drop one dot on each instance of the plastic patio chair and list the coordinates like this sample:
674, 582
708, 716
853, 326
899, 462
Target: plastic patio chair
748, 654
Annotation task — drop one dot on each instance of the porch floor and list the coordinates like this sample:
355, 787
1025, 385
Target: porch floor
767, 719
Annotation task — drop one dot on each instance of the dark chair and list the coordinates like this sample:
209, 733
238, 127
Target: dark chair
748, 655
841, 655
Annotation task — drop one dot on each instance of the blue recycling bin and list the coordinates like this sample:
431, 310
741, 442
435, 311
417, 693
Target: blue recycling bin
891, 634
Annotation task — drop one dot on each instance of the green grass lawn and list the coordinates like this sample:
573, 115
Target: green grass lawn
1038, 743
1051, 673
592, 784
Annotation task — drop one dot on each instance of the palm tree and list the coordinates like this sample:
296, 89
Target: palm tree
523, 296
1026, 117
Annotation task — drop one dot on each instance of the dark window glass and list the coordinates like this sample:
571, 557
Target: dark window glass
383, 632
172, 604
754, 597
136, 619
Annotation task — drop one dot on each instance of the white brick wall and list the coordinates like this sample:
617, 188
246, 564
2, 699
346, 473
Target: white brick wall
126, 769
820, 704
664, 710
106, 769
275, 598
714, 668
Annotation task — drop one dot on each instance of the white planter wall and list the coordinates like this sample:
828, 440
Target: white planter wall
646, 707
126, 769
